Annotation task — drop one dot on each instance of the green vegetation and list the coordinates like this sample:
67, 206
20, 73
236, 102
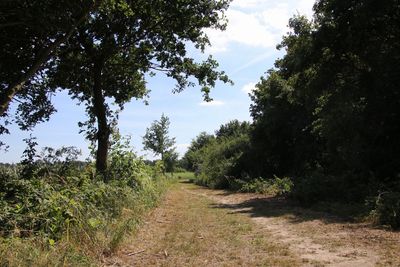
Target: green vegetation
326, 116
157, 140
63, 214
184, 175
324, 132
100, 53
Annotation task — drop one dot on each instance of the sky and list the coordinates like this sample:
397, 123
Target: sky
245, 51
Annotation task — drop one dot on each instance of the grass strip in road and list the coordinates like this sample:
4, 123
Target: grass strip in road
188, 230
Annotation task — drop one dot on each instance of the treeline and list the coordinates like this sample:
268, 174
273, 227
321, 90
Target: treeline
327, 115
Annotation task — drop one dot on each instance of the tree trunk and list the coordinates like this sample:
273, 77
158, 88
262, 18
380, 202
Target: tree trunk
103, 129
43, 56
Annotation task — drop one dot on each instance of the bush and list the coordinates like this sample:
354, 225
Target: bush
73, 207
319, 186
276, 186
220, 159
386, 209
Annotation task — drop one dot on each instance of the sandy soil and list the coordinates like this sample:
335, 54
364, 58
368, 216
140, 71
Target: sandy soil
320, 239
195, 226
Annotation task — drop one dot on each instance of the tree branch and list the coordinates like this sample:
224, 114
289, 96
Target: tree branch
43, 56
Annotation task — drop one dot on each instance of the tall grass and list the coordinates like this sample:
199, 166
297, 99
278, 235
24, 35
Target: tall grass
74, 218
84, 237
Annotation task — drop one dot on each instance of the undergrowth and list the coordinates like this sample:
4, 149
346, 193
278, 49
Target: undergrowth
73, 218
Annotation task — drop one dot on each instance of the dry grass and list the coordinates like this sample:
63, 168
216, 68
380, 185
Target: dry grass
319, 238
195, 226
187, 230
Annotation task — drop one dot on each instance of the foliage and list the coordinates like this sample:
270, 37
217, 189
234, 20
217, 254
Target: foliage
326, 116
233, 128
124, 165
386, 209
156, 138
218, 159
192, 158
31, 34
58, 206
275, 186
171, 160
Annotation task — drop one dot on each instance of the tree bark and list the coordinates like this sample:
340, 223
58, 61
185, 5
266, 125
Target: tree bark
103, 129
43, 56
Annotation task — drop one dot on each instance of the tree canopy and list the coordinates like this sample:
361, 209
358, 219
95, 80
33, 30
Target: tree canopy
327, 115
331, 104
109, 53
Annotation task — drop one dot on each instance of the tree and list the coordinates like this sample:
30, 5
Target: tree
157, 140
233, 128
111, 46
31, 33
110, 54
192, 157
170, 160
328, 114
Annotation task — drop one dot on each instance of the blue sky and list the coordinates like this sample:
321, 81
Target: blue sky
245, 51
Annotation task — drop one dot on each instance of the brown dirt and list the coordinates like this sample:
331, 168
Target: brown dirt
195, 226
318, 238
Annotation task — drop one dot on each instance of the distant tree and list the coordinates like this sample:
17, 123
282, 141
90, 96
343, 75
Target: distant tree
233, 128
170, 160
200, 141
192, 157
157, 140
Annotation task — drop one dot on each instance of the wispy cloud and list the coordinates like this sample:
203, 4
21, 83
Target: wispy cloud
258, 59
248, 88
213, 103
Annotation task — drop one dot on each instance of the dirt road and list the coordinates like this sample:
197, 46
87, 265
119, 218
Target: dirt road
195, 226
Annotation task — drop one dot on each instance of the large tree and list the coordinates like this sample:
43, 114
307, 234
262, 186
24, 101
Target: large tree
108, 56
328, 114
30, 34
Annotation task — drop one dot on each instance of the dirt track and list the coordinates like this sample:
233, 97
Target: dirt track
195, 226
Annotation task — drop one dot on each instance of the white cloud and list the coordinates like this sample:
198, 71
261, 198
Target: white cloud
246, 3
276, 19
243, 28
248, 88
257, 23
213, 103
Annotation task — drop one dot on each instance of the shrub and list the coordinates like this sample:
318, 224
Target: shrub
274, 186
73, 207
319, 186
220, 159
386, 209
